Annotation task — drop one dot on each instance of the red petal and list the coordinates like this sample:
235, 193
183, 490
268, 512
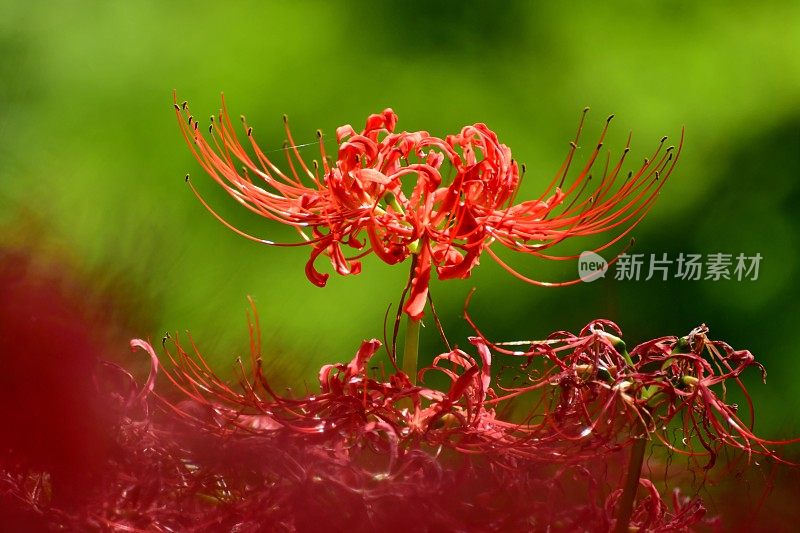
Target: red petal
315, 276
365, 352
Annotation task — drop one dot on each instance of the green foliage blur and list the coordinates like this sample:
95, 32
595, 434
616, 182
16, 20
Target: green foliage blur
90, 154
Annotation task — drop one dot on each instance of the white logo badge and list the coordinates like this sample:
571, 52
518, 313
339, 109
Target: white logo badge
591, 266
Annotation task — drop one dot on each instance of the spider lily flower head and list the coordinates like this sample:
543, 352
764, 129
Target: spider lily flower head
684, 382
410, 194
663, 387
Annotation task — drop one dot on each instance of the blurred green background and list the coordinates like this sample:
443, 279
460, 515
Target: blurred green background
91, 155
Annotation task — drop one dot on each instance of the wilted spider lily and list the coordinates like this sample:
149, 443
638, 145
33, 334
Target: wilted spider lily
602, 398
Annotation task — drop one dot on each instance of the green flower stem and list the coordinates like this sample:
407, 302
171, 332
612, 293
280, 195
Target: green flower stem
628, 497
635, 461
411, 349
650, 395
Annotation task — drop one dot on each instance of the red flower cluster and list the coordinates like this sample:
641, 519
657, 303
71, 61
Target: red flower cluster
664, 387
370, 451
591, 397
406, 194
586, 398
384, 447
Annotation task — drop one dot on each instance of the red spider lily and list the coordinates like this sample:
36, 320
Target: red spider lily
388, 193
355, 456
392, 412
651, 514
684, 380
594, 399
598, 389
387, 429
370, 451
